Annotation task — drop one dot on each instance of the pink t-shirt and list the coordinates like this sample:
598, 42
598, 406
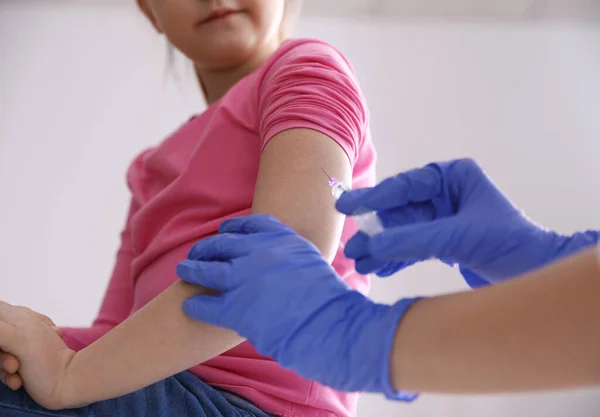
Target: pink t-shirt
205, 173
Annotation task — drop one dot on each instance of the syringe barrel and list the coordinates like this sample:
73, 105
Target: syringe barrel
369, 222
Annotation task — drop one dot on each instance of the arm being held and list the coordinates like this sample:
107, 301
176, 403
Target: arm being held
156, 342
303, 315
538, 332
161, 334
159, 340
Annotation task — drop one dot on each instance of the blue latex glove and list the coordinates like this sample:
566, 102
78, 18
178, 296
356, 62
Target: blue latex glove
453, 212
280, 294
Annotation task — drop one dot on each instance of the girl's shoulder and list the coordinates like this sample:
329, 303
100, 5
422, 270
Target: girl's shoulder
307, 45
306, 51
295, 58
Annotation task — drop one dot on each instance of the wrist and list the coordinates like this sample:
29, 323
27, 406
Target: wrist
570, 245
71, 385
355, 350
387, 376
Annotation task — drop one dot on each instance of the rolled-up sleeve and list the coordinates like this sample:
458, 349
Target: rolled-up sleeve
311, 85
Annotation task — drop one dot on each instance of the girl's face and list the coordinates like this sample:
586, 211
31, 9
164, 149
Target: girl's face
218, 34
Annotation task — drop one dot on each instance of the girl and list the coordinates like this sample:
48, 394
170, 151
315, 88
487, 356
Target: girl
279, 112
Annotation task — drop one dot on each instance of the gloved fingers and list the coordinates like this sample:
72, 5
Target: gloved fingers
462, 177
409, 214
413, 243
449, 261
462, 168
256, 223
369, 265
351, 202
215, 275
205, 308
391, 268
473, 280
382, 269
223, 247
414, 186
357, 246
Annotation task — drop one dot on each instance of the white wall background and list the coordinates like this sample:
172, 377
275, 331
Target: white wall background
83, 88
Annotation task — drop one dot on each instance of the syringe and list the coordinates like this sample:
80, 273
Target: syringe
368, 223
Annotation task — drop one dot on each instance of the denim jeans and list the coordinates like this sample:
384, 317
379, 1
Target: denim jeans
182, 395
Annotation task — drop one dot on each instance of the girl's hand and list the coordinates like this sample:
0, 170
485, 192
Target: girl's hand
9, 364
42, 356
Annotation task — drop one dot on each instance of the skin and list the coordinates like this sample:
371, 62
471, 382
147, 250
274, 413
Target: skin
429, 354
224, 51
290, 186
539, 332
9, 364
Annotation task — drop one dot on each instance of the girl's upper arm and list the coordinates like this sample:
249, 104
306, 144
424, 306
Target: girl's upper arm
292, 187
313, 118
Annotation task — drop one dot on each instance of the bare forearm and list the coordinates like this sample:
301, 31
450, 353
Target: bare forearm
156, 342
534, 333
160, 340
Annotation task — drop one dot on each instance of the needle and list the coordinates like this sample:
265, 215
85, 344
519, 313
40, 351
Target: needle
325, 172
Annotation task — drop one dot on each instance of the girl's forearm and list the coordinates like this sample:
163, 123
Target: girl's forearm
156, 342
538, 332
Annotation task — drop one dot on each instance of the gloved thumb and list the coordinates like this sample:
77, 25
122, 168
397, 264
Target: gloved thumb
214, 275
473, 280
206, 308
255, 223
415, 242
